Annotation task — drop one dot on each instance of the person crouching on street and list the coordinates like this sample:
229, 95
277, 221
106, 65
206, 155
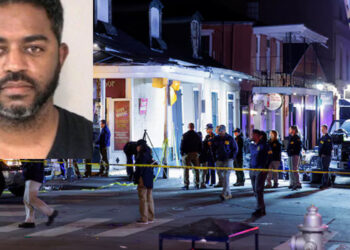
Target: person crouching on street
259, 160
144, 180
225, 148
275, 153
33, 173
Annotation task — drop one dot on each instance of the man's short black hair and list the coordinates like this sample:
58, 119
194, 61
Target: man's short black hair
54, 11
191, 125
256, 131
103, 122
325, 126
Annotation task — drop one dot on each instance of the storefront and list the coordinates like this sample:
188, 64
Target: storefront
162, 100
280, 107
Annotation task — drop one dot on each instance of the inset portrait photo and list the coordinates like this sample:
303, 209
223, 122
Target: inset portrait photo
46, 70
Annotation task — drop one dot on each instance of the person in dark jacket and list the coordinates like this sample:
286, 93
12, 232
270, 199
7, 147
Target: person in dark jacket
202, 162
325, 148
130, 153
191, 147
294, 150
275, 155
259, 160
104, 142
209, 155
33, 173
144, 180
238, 163
225, 148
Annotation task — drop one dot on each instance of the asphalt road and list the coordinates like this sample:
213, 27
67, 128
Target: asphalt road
105, 219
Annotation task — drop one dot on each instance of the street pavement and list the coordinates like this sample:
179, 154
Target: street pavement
92, 218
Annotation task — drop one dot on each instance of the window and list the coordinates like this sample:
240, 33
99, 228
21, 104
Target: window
205, 45
214, 105
278, 55
253, 10
258, 53
347, 66
268, 55
231, 112
340, 64
103, 10
195, 37
155, 26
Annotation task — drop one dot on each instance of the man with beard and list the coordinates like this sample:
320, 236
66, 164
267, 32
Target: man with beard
31, 58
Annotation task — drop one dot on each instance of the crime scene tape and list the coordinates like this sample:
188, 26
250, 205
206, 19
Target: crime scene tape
207, 167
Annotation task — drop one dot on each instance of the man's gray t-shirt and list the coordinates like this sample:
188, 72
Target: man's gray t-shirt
74, 137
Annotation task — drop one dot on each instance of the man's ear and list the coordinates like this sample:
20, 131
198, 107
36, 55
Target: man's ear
64, 51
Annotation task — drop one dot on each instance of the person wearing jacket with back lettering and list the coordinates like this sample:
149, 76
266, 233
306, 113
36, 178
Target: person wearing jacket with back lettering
191, 147
259, 160
294, 150
225, 148
325, 153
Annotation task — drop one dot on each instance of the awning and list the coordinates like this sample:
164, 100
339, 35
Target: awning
286, 91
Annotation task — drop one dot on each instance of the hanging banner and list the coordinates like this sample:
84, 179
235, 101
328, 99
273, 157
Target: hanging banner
143, 102
273, 101
121, 124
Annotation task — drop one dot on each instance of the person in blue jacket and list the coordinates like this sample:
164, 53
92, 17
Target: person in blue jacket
259, 160
225, 148
144, 180
325, 148
104, 142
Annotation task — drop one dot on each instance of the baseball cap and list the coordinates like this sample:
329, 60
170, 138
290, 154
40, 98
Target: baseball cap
209, 126
237, 130
222, 128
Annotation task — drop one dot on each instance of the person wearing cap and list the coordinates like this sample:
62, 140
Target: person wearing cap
144, 179
190, 149
225, 148
258, 160
209, 154
238, 162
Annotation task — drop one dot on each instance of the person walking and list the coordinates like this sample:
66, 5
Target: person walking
275, 153
238, 162
225, 148
33, 173
104, 142
209, 155
144, 180
259, 160
294, 149
191, 147
325, 148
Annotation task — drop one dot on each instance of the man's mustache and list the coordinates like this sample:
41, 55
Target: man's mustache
15, 77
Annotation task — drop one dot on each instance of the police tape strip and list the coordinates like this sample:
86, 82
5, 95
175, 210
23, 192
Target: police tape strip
212, 168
